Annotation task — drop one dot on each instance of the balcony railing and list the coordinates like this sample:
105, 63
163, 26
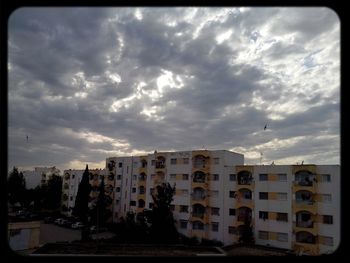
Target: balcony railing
305, 224
198, 197
196, 214
304, 202
243, 218
305, 182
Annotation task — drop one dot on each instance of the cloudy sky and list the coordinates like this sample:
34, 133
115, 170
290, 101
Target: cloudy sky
90, 83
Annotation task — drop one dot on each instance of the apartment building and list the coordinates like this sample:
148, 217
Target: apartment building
199, 203
295, 207
40, 176
71, 180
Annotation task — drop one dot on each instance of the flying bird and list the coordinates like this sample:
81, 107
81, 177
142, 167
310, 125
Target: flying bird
265, 127
27, 138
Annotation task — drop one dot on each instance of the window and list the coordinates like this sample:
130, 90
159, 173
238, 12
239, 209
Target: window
326, 178
134, 177
120, 165
141, 203
119, 177
71, 198
185, 192
133, 190
282, 196
282, 217
73, 175
132, 203
282, 177
117, 201
183, 224
327, 219
231, 230
198, 225
327, 198
215, 211
117, 189
232, 177
185, 177
215, 177
264, 235
172, 207
263, 196
150, 205
215, 226
142, 190
216, 160
172, 176
214, 193
183, 208
153, 162
185, 160
283, 237
232, 194
262, 177
328, 241
232, 212
173, 161
263, 215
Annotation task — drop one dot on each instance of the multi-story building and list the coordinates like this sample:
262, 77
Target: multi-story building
39, 176
296, 207
71, 180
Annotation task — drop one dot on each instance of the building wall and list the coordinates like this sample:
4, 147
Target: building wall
39, 176
274, 192
23, 235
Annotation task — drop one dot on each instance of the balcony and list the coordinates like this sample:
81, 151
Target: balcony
198, 194
244, 178
160, 162
111, 165
201, 162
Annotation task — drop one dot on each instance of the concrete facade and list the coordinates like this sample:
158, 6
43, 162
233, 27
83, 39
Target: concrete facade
295, 207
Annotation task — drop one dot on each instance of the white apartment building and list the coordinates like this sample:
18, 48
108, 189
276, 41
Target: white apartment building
71, 180
39, 176
295, 207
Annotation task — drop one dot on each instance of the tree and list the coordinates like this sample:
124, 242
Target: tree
54, 192
16, 186
98, 215
246, 233
81, 208
163, 228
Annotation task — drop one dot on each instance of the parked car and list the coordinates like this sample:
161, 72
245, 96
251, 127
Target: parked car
58, 221
78, 225
48, 220
94, 229
20, 213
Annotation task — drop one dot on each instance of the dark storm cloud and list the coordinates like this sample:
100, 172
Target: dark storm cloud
81, 79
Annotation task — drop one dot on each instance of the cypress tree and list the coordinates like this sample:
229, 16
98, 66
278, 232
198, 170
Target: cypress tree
81, 208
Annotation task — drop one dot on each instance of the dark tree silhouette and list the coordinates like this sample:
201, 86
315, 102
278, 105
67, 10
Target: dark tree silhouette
54, 192
163, 228
247, 233
16, 187
98, 214
81, 208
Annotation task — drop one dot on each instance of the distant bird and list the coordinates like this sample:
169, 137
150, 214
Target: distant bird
265, 127
27, 138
